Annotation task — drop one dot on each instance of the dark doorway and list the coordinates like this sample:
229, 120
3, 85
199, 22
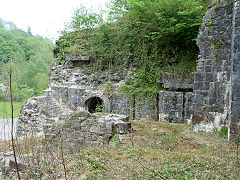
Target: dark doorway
94, 104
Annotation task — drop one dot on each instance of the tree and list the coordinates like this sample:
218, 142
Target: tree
150, 35
29, 31
30, 57
85, 19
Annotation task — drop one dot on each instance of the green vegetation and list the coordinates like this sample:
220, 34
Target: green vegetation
215, 44
99, 108
211, 23
30, 58
148, 37
223, 132
5, 109
152, 151
160, 151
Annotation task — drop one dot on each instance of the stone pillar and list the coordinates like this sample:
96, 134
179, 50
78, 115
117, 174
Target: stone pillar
235, 75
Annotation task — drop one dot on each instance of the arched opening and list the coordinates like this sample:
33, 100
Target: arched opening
94, 104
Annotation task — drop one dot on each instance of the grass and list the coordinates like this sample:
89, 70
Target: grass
5, 109
152, 151
160, 151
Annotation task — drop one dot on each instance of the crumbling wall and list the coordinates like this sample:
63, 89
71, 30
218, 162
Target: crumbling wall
122, 104
212, 79
83, 128
188, 107
176, 80
40, 113
210, 100
171, 107
146, 108
235, 74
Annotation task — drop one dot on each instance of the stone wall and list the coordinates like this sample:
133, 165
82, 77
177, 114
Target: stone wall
122, 104
212, 79
146, 108
188, 107
209, 100
41, 112
171, 107
176, 80
76, 96
83, 128
235, 73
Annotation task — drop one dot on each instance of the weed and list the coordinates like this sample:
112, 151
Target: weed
211, 22
108, 89
186, 155
133, 178
20, 135
116, 141
2, 165
56, 72
95, 163
131, 152
223, 132
215, 44
99, 108
168, 139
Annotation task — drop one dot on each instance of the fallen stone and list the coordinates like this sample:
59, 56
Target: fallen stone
7, 163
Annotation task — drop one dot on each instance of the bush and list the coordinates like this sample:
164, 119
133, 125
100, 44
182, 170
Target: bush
150, 36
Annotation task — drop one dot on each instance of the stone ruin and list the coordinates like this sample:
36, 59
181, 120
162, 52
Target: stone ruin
44, 116
211, 99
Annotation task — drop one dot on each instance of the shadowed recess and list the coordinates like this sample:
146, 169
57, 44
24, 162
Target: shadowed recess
92, 103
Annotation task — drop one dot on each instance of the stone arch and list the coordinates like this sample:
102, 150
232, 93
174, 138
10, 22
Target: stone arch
92, 103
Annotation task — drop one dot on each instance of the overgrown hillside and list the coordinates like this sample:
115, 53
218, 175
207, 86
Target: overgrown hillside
30, 58
148, 37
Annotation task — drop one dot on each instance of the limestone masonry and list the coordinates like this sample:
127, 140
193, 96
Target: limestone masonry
209, 100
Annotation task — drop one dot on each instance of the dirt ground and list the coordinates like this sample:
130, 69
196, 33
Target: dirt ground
152, 151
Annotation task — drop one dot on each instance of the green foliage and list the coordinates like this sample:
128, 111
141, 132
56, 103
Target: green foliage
55, 71
99, 108
148, 36
96, 163
174, 171
223, 132
40, 82
21, 92
1, 165
215, 42
169, 138
85, 19
30, 58
116, 9
115, 140
108, 89
211, 23
73, 43
5, 109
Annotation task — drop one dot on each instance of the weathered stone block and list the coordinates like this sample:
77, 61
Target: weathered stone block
75, 97
122, 104
146, 108
198, 77
171, 107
